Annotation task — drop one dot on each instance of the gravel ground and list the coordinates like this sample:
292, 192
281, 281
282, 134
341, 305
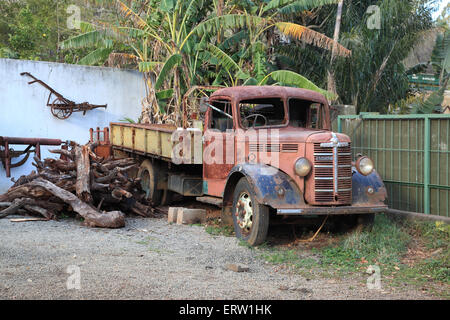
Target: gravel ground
151, 259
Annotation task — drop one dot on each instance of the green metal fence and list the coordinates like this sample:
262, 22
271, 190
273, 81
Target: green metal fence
411, 153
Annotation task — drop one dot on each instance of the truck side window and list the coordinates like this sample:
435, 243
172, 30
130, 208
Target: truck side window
220, 121
315, 116
305, 114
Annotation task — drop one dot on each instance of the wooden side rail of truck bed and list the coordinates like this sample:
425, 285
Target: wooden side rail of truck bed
153, 140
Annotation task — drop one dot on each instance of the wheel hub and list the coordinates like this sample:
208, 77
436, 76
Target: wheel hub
244, 211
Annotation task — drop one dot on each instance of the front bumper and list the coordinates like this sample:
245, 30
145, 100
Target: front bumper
332, 210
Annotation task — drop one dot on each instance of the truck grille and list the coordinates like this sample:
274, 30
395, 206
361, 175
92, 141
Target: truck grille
332, 173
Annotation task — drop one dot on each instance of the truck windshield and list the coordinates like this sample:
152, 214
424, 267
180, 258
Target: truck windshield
306, 114
262, 112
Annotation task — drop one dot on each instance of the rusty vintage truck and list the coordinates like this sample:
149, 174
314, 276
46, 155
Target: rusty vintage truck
261, 153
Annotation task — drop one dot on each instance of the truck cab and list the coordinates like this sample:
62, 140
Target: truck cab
285, 159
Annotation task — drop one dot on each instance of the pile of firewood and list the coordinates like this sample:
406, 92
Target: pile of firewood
82, 182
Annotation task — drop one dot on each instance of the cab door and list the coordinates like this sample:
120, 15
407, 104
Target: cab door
218, 146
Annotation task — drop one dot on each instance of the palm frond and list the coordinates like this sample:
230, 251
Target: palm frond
147, 66
235, 39
121, 59
275, 4
88, 39
164, 94
224, 59
229, 21
127, 12
291, 78
430, 104
305, 5
96, 56
171, 62
86, 27
312, 37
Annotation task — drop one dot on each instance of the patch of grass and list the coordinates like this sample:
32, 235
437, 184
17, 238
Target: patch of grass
196, 225
244, 243
384, 245
431, 266
281, 256
218, 230
415, 253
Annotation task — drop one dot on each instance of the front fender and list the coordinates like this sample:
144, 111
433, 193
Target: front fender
271, 186
367, 190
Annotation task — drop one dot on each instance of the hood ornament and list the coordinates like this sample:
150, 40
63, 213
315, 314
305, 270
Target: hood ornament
334, 142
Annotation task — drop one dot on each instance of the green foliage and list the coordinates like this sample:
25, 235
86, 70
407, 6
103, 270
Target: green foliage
387, 246
186, 43
217, 230
127, 120
32, 29
281, 256
170, 63
290, 78
440, 59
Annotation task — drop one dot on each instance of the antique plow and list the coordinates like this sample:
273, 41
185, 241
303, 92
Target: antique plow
61, 107
7, 153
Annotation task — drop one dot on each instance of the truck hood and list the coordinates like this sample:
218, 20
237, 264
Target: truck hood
303, 135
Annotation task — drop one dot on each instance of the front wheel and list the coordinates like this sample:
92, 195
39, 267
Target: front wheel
250, 219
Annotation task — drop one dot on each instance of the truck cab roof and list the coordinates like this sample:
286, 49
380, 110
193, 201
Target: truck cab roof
253, 92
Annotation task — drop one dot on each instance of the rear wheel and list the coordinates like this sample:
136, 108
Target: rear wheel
250, 219
167, 197
150, 174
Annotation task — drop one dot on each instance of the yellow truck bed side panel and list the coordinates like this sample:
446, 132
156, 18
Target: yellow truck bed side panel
152, 140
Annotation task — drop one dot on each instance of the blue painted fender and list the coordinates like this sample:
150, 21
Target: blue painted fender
367, 190
271, 186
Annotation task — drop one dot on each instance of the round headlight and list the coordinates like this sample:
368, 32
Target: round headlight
302, 167
364, 166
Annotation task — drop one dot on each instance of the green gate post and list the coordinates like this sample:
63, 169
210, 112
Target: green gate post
426, 166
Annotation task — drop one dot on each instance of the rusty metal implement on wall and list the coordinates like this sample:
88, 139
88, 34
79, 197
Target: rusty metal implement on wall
61, 107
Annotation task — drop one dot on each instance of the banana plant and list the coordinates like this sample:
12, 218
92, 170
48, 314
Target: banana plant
174, 49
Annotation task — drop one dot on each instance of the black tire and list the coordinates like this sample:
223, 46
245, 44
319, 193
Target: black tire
253, 233
167, 197
150, 175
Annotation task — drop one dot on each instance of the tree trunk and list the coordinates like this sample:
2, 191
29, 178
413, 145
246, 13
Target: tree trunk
94, 218
337, 29
83, 173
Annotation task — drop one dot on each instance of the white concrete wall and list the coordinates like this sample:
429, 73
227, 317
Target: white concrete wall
23, 110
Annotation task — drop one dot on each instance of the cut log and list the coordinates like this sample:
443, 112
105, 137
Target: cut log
118, 193
60, 165
63, 152
82, 187
119, 163
43, 212
15, 206
93, 218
